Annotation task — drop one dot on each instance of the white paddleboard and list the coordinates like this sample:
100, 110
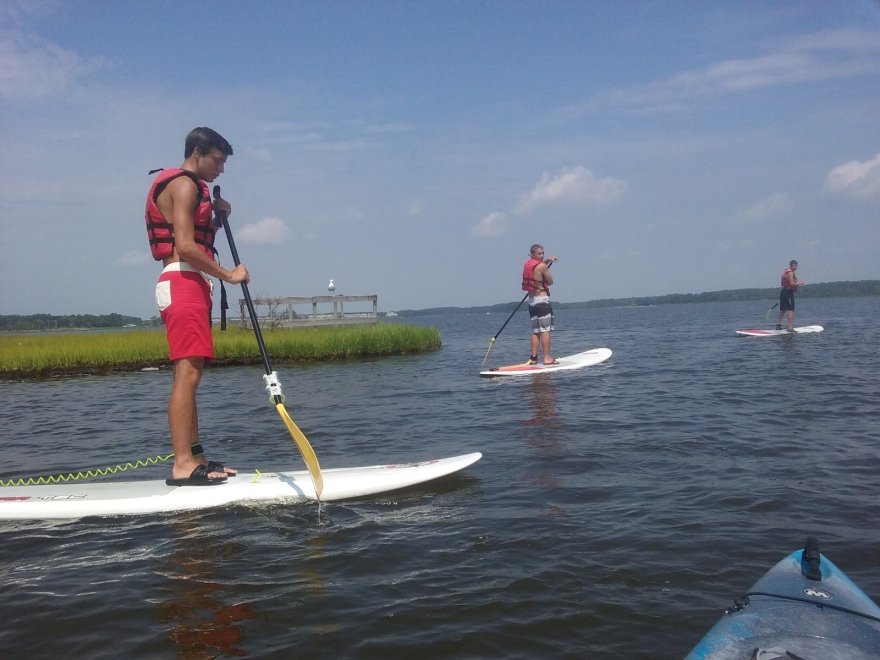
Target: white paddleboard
761, 332
578, 361
71, 500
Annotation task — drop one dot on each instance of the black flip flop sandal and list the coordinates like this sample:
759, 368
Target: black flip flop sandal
198, 477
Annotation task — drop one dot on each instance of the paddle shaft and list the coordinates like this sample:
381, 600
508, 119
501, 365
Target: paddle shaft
247, 295
299, 438
495, 336
492, 341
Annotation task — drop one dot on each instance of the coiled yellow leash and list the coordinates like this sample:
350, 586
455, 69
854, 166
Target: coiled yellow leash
87, 474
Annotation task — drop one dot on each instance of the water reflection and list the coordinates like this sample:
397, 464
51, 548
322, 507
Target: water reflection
544, 435
542, 402
205, 612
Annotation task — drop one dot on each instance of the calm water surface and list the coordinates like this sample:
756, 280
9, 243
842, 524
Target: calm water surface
616, 512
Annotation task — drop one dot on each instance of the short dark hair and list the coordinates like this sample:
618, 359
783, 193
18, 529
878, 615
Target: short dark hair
536, 246
793, 262
204, 139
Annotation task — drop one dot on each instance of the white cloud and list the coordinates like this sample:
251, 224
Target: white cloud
774, 206
268, 231
340, 145
263, 155
855, 179
490, 226
576, 186
848, 39
720, 79
31, 67
351, 215
304, 137
398, 127
134, 258
827, 55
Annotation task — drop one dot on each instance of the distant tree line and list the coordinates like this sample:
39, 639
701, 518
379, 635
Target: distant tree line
68, 321
822, 290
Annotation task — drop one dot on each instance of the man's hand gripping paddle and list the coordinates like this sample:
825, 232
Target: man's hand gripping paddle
271, 378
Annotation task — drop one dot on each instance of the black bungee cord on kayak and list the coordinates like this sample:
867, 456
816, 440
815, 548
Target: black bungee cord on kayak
811, 560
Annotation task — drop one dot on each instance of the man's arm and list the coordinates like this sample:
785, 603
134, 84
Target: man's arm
183, 196
543, 269
792, 282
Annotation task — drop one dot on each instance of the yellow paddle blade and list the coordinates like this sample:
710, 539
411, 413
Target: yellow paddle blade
305, 449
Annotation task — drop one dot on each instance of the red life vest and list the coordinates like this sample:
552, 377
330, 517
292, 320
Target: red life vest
161, 232
785, 279
529, 283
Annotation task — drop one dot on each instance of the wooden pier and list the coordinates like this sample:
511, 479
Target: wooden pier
300, 311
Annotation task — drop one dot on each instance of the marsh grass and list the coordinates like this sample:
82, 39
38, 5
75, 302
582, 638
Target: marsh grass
42, 355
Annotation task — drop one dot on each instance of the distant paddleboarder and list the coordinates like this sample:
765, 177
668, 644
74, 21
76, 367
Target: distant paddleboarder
536, 280
790, 284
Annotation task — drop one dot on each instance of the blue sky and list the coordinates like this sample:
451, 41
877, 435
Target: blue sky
417, 149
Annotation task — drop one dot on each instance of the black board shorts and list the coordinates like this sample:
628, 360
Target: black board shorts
786, 300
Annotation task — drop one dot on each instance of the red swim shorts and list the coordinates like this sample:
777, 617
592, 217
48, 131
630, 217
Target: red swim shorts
184, 300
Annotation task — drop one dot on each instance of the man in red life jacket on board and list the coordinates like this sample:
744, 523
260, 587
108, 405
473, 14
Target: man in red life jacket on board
179, 217
537, 280
790, 285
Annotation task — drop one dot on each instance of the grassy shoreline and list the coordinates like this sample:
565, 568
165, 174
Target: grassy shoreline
46, 355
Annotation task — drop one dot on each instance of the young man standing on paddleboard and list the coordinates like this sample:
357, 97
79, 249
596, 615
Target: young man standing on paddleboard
180, 227
790, 285
537, 280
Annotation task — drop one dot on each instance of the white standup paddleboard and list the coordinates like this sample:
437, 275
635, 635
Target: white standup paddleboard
71, 500
760, 332
578, 361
